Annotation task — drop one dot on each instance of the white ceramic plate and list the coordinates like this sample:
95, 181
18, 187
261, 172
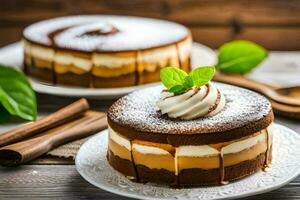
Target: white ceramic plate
13, 55
91, 163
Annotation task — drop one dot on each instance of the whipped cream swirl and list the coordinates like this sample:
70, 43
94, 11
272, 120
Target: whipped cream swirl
197, 102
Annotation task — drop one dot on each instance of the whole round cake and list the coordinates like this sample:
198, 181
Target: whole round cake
207, 135
104, 51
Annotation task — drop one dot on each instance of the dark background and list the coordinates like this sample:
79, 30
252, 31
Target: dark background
275, 24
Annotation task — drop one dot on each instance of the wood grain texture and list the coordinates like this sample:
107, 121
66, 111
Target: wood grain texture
212, 22
63, 182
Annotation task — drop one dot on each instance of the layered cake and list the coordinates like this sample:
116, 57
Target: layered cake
206, 135
104, 51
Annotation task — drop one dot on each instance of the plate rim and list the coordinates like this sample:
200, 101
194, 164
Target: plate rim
235, 196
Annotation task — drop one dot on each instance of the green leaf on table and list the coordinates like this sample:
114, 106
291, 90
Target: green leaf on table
240, 56
16, 94
178, 81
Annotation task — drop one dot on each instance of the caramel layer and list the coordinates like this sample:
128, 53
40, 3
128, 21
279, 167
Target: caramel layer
210, 162
103, 71
248, 154
62, 69
40, 63
119, 150
153, 161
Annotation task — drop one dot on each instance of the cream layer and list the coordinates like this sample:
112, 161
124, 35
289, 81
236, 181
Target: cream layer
194, 150
158, 54
149, 149
112, 61
68, 59
40, 52
185, 48
119, 139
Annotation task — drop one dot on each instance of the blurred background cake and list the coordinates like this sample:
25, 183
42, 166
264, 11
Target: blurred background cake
104, 51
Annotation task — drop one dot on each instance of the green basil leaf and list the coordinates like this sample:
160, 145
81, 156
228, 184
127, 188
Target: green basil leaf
16, 94
240, 56
172, 76
202, 75
9, 72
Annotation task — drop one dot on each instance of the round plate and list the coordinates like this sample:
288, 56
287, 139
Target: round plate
13, 55
91, 163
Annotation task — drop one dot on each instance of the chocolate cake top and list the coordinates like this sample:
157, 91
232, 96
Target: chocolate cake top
136, 116
105, 33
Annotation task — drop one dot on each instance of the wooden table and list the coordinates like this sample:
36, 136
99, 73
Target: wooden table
61, 180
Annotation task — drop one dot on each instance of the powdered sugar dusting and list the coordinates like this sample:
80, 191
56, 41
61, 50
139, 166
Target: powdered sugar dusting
138, 110
135, 33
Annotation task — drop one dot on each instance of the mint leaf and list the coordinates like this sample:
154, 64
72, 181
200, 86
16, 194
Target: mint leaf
240, 56
188, 82
178, 81
16, 94
172, 76
178, 89
202, 75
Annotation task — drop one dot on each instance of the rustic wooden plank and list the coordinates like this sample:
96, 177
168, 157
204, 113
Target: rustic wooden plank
275, 38
212, 22
190, 12
63, 182
10, 35
254, 12
212, 36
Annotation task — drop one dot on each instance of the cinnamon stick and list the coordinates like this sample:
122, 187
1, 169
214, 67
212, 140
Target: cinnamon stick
59, 117
18, 153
